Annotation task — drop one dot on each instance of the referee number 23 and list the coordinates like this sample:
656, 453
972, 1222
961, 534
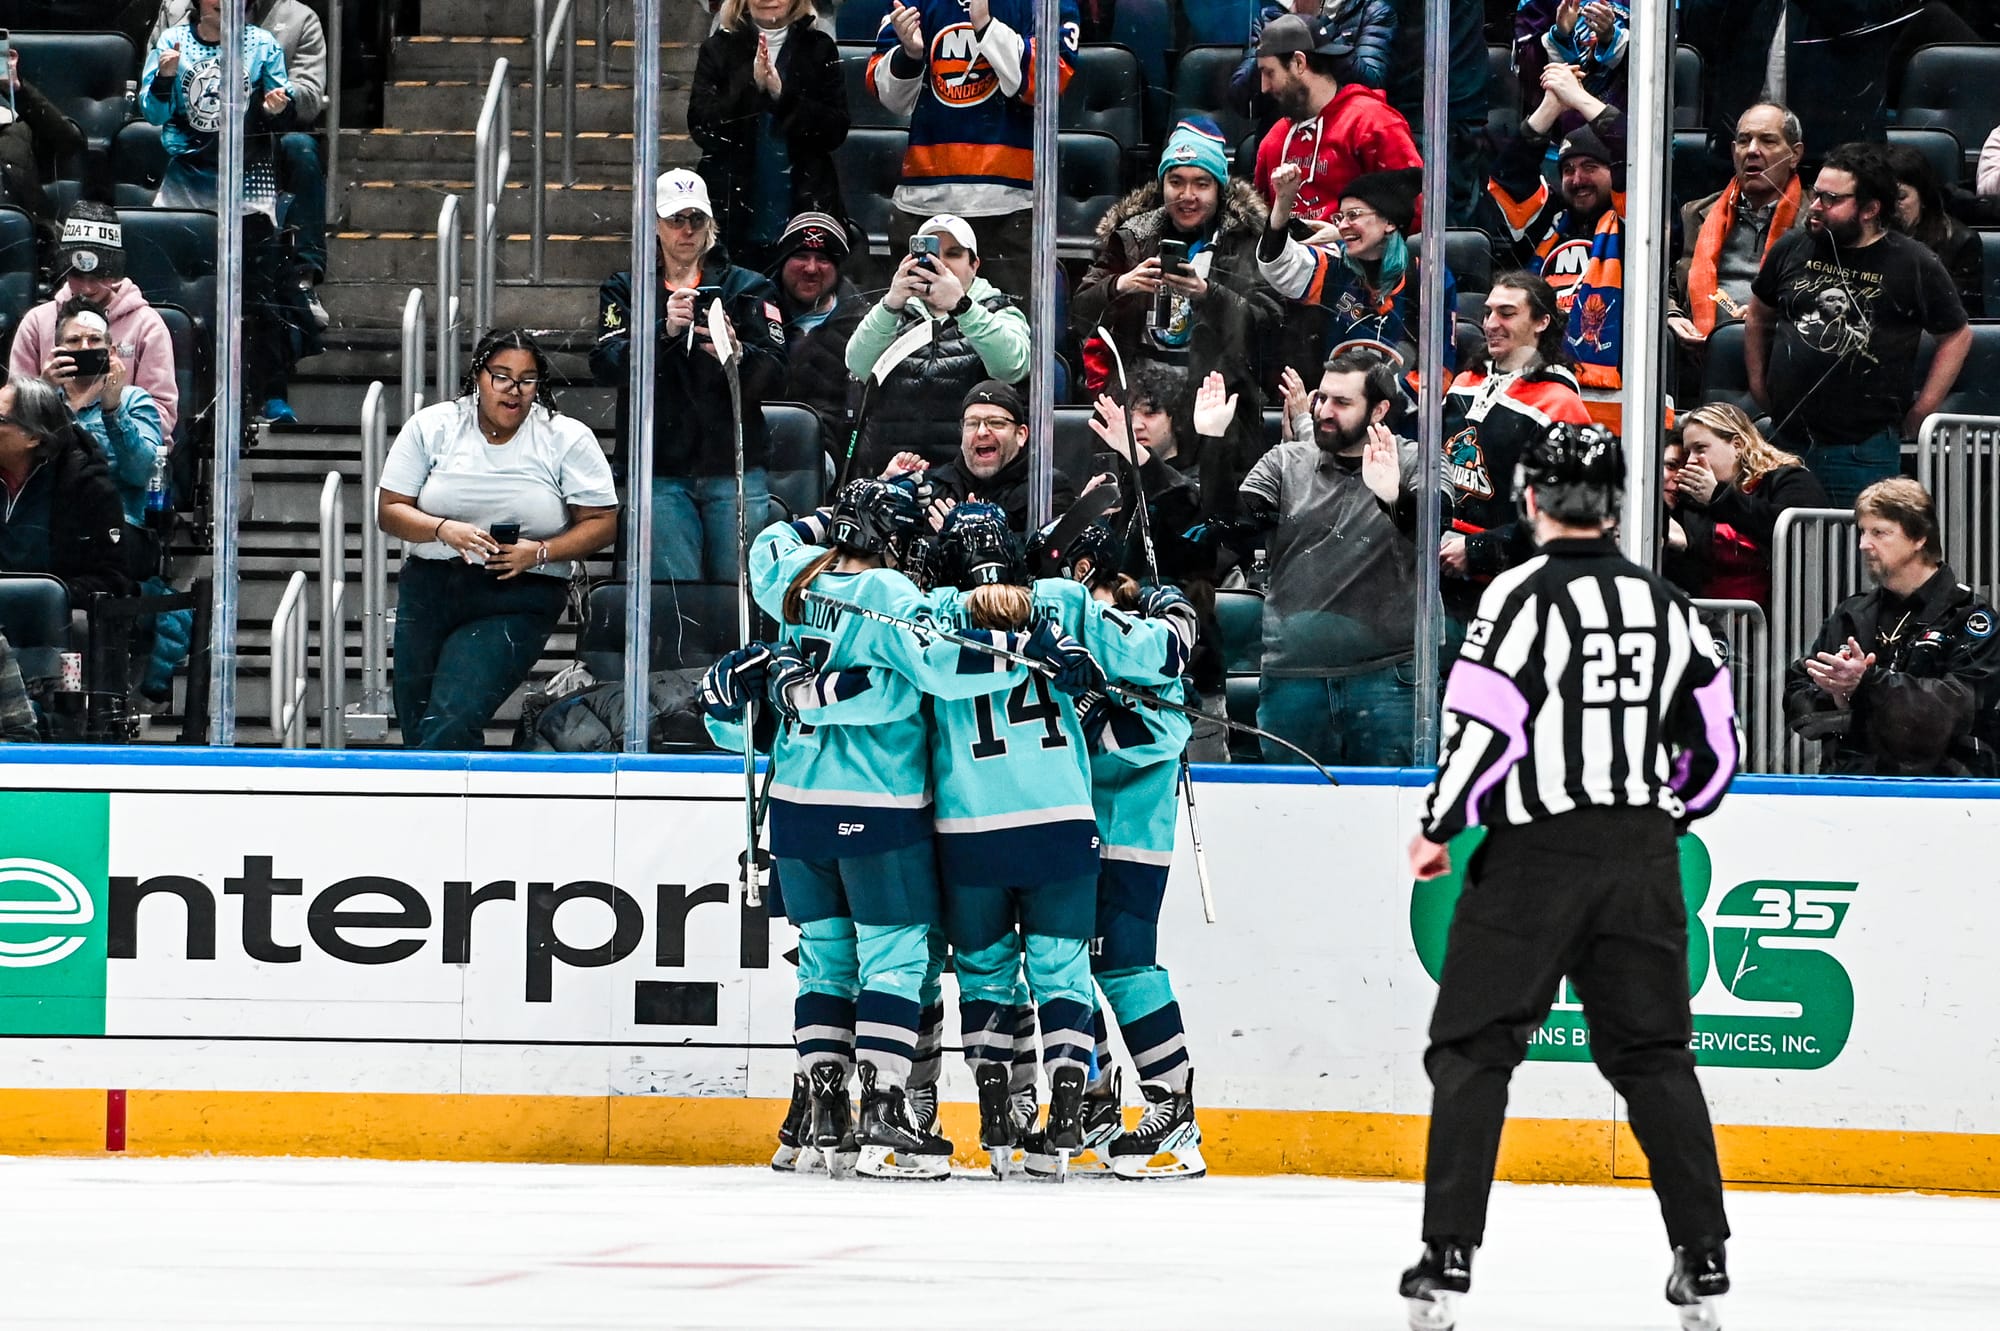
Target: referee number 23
1617, 667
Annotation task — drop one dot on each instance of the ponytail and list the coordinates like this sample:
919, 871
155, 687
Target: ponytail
795, 595
1000, 605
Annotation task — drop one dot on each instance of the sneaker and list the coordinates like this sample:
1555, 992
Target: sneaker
1700, 1276
1432, 1287
277, 411
791, 1157
1167, 1142
891, 1144
318, 311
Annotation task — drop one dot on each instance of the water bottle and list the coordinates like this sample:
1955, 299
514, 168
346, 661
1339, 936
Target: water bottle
156, 491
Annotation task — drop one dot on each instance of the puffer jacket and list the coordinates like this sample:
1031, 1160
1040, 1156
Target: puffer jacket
1370, 24
1235, 324
816, 369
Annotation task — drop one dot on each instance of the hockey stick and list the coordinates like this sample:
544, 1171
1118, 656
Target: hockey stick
1125, 693
1183, 779
918, 334
729, 354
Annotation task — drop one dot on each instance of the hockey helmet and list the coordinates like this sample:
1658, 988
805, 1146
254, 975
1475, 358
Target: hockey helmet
979, 548
869, 515
1056, 553
1585, 462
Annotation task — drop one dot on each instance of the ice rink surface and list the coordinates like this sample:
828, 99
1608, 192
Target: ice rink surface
354, 1243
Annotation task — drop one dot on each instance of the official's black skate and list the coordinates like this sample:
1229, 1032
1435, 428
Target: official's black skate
996, 1119
1103, 1120
1434, 1284
892, 1145
792, 1157
832, 1130
1167, 1142
1700, 1277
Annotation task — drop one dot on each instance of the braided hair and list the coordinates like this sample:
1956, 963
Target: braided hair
511, 339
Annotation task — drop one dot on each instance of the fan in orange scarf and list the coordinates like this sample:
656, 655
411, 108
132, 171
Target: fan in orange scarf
1713, 284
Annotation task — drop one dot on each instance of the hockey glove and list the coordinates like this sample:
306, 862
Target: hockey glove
813, 527
1093, 711
1171, 607
790, 671
1073, 670
1155, 602
733, 680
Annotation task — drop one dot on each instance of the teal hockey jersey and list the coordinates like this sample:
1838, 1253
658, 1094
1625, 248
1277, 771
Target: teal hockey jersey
1133, 773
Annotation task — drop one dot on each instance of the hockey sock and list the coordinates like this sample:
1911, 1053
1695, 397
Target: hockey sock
1102, 1030
1150, 1020
823, 1029
1066, 1040
885, 1034
930, 1046
988, 1031
1023, 1076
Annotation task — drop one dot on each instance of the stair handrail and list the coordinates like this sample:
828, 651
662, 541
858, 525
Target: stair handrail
492, 157
448, 310
412, 396
603, 42
550, 33
369, 717
334, 42
332, 614
288, 664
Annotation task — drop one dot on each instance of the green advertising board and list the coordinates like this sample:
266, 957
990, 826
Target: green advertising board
55, 849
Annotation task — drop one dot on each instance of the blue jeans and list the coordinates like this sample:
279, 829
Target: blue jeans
301, 176
464, 642
1366, 720
694, 524
1848, 469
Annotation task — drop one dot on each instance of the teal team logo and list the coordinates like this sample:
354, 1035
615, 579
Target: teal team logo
1783, 1001
54, 861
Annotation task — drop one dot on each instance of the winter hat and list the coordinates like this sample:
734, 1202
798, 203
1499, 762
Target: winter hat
1392, 194
92, 242
1583, 142
820, 232
679, 190
993, 393
1197, 141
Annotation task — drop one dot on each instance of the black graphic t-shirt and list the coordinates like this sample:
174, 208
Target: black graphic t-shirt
1843, 361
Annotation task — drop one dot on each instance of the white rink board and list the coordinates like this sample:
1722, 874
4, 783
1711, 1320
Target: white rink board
1307, 995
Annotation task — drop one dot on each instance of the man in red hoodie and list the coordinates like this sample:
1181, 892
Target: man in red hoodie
1334, 131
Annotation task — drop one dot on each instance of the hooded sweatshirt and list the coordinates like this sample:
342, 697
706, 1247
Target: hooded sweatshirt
1356, 132
138, 334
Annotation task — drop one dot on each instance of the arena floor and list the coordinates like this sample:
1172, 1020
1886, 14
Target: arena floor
356, 1243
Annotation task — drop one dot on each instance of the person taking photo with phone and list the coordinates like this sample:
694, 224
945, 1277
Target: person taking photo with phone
121, 416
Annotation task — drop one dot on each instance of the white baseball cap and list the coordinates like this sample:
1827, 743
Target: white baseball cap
679, 190
951, 224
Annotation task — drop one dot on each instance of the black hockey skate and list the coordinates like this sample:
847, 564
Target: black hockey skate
1063, 1133
1700, 1277
1433, 1285
832, 1130
892, 1145
996, 1119
1167, 1142
791, 1157
1103, 1120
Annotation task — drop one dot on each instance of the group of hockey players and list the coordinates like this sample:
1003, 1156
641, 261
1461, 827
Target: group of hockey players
967, 769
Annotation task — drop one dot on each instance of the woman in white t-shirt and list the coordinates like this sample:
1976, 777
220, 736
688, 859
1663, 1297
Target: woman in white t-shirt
473, 614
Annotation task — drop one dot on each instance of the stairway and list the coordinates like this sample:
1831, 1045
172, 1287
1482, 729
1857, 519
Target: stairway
392, 182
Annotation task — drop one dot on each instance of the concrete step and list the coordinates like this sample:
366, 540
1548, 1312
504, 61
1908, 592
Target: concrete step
517, 17
370, 152
461, 56
407, 258
455, 103
406, 205
453, 175
338, 405
361, 310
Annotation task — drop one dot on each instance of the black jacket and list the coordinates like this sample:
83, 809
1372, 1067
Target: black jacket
692, 433
1929, 706
1008, 489
1753, 516
816, 369
916, 409
726, 107
87, 534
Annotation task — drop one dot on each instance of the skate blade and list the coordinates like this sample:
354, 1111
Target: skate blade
1003, 1164
836, 1162
797, 1160
881, 1162
1701, 1315
1086, 1163
1182, 1164
1439, 1312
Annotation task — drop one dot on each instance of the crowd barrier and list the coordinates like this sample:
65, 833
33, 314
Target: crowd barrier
1815, 565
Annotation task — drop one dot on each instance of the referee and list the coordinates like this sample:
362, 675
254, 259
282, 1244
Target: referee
1589, 719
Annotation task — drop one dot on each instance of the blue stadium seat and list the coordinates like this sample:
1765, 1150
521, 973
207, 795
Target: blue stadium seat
18, 261
693, 623
1939, 146
1145, 27
34, 614
83, 73
1090, 179
1989, 258
1239, 613
1727, 378
190, 376
1468, 253
1700, 166
859, 20
1977, 392
864, 111
1952, 87
170, 256
1201, 84
1107, 95
1075, 443
1687, 87
870, 162
138, 158
796, 464
1211, 21
62, 193
1503, 94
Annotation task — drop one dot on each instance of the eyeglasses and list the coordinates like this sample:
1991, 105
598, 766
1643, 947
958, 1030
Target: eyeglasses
1826, 198
1353, 215
687, 221
990, 424
504, 381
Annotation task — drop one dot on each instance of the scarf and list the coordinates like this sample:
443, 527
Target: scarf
1714, 228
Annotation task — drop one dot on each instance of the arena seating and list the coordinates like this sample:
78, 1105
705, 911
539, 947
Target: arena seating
17, 269
170, 256
1956, 88
85, 74
795, 458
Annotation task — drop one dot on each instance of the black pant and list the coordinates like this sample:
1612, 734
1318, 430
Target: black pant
1594, 895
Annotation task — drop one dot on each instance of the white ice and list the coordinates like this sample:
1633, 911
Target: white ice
356, 1243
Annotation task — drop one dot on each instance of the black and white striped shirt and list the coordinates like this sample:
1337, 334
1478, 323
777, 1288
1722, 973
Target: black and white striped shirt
1585, 681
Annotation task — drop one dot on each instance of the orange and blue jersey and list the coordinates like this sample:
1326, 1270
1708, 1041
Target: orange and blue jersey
1584, 261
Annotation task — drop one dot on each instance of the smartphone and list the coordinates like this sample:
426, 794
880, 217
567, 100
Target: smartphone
1173, 257
505, 533
90, 362
928, 249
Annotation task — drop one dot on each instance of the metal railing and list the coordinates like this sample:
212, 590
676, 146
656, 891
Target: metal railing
549, 34
1745, 634
368, 719
492, 156
1815, 565
288, 665
603, 42
332, 614
411, 397
334, 42
449, 242
1958, 461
